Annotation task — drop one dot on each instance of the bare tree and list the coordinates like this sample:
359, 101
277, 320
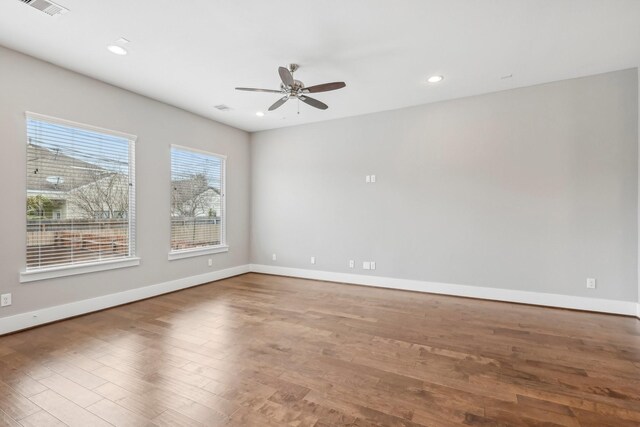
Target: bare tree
191, 198
107, 195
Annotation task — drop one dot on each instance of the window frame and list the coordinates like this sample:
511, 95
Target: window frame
202, 250
44, 273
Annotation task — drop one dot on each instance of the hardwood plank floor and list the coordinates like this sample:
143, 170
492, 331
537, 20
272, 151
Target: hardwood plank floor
258, 350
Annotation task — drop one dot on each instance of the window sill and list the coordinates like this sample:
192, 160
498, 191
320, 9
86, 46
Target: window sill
53, 272
188, 253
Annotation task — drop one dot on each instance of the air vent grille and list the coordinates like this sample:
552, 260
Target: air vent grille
222, 107
48, 7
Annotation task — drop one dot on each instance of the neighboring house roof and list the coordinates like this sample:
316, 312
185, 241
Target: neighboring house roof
50, 170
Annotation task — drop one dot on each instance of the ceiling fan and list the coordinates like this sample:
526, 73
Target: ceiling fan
292, 88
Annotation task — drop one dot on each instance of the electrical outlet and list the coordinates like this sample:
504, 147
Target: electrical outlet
210, 262
313, 260
5, 300
366, 265
274, 257
591, 283
373, 265
352, 263
367, 178
373, 178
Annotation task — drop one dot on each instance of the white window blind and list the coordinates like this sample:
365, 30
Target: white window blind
197, 200
80, 194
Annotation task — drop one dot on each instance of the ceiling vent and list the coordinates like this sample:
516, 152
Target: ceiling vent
48, 7
222, 107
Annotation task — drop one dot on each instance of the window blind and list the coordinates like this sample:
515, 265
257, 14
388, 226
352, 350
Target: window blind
80, 194
197, 199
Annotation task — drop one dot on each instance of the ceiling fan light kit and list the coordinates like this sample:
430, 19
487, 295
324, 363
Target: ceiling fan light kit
291, 88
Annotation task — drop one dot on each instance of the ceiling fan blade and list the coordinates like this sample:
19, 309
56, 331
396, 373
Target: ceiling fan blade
279, 102
251, 89
313, 102
286, 76
324, 87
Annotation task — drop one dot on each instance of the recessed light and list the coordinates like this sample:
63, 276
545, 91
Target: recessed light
435, 79
118, 50
260, 114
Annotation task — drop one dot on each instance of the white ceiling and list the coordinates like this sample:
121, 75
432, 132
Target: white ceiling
193, 53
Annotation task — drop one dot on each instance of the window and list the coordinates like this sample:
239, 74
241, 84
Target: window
197, 203
80, 196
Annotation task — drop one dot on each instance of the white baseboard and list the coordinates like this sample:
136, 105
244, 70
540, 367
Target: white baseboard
59, 312
535, 298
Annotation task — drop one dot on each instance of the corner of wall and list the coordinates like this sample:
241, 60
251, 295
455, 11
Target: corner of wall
251, 163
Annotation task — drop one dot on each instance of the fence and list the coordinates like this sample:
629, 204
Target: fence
189, 233
52, 242
45, 232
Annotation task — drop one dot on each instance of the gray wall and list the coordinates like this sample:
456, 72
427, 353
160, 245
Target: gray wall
533, 189
530, 189
28, 84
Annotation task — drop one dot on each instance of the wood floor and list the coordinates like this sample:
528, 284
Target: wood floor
260, 350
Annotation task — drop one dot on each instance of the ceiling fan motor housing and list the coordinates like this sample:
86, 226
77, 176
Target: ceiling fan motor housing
297, 85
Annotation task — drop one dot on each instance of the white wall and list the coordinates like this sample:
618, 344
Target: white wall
530, 189
28, 84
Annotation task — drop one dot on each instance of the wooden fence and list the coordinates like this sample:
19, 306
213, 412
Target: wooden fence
105, 235
184, 236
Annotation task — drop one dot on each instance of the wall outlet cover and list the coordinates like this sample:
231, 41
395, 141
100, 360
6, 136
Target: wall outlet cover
5, 300
366, 265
